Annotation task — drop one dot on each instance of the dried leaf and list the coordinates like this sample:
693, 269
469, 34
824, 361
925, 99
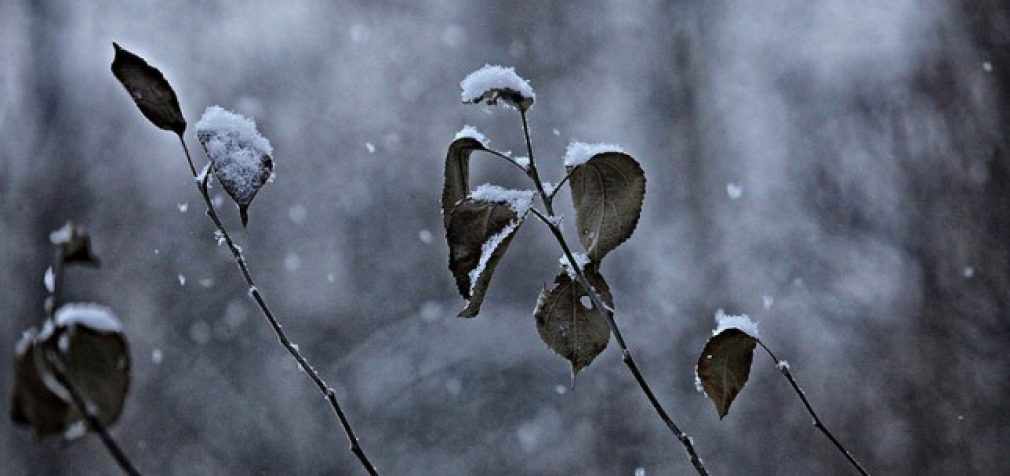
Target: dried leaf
607, 192
724, 366
75, 243
32, 403
240, 156
149, 90
91, 353
457, 173
574, 331
479, 232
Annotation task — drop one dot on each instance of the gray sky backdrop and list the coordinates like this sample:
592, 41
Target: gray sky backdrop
867, 137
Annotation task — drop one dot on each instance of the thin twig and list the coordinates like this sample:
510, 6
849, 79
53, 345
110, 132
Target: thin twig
784, 368
55, 367
607, 312
328, 393
506, 157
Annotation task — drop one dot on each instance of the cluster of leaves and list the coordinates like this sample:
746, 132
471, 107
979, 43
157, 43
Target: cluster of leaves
607, 191
80, 355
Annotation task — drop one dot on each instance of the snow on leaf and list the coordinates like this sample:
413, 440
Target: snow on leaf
478, 231
724, 364
491, 83
49, 280
241, 157
578, 153
742, 322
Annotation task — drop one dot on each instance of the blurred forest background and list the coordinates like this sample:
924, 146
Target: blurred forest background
869, 240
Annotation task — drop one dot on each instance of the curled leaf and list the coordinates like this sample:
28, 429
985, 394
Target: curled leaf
491, 83
724, 366
75, 244
240, 156
85, 345
479, 231
608, 189
32, 402
570, 328
457, 168
149, 90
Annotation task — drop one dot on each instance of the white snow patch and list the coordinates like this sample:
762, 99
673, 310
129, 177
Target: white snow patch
62, 235
93, 316
767, 301
182, 279
487, 249
968, 272
987, 66
548, 188
485, 84
782, 365
157, 356
298, 213
697, 381
49, 280
578, 153
560, 389
581, 260
742, 322
734, 190
219, 237
639, 471
523, 161
471, 132
76, 430
425, 236
519, 200
331, 277
556, 132
370, 147
237, 149
183, 207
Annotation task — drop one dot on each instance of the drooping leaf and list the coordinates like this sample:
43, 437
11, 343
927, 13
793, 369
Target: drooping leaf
457, 168
85, 345
239, 155
570, 328
32, 402
607, 191
75, 244
724, 366
493, 83
149, 90
479, 231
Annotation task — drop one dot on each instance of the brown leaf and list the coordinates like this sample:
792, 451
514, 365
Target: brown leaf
457, 173
75, 243
478, 233
90, 351
724, 366
572, 330
32, 402
607, 192
149, 90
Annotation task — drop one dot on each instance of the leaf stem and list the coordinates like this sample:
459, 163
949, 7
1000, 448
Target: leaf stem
607, 312
506, 157
328, 393
54, 366
784, 368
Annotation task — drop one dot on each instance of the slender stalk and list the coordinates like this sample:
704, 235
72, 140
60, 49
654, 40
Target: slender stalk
784, 368
328, 393
629, 361
55, 367
506, 157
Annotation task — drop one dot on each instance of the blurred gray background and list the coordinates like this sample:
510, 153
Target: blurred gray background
864, 142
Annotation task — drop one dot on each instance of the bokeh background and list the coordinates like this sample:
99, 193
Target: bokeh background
864, 143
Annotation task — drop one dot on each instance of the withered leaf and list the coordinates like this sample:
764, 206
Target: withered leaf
572, 330
607, 192
724, 366
478, 233
149, 90
457, 173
